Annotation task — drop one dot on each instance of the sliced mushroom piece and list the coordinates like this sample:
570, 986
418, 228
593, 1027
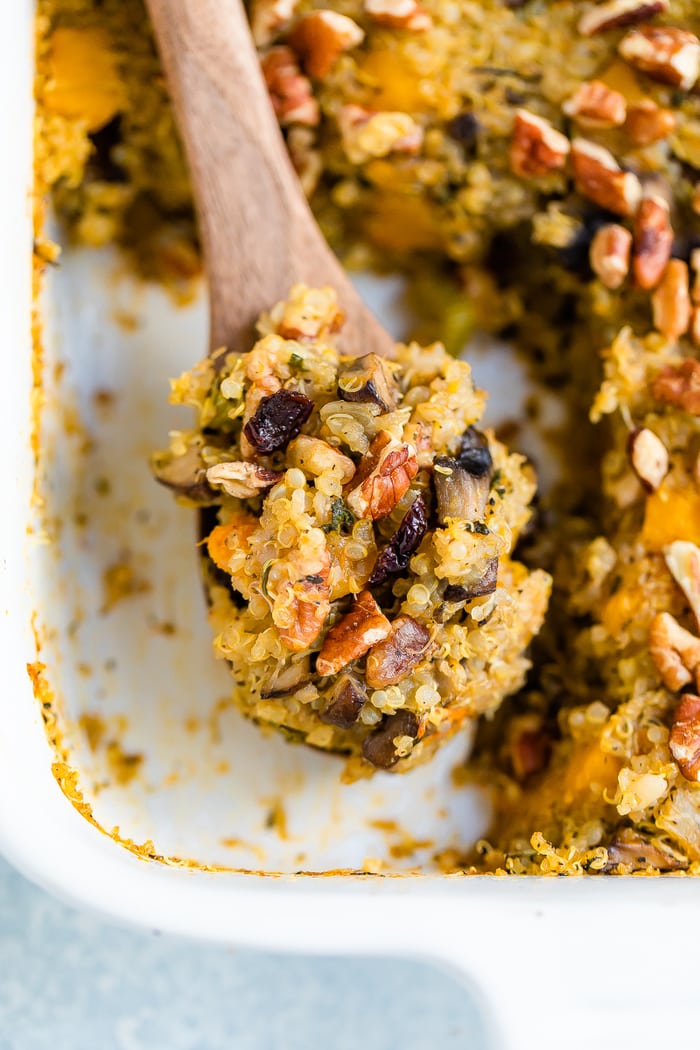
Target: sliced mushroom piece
475, 455
369, 379
460, 494
288, 680
379, 747
486, 585
344, 703
186, 475
637, 853
393, 659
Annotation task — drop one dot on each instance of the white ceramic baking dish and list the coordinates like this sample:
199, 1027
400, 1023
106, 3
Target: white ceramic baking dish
566, 963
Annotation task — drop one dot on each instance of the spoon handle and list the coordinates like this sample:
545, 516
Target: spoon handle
259, 235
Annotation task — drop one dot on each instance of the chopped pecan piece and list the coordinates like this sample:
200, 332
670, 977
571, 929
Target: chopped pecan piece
537, 148
671, 301
385, 475
269, 18
684, 741
353, 636
319, 37
397, 553
392, 659
379, 747
675, 651
599, 177
609, 254
635, 852
647, 123
277, 420
344, 702
653, 239
399, 14
683, 560
460, 494
695, 325
664, 53
612, 14
679, 385
290, 91
648, 457
316, 457
243, 480
454, 592
595, 105
302, 603
369, 379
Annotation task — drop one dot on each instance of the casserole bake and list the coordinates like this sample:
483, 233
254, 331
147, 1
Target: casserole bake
473, 923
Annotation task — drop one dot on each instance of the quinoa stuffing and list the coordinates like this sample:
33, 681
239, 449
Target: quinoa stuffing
360, 573
533, 169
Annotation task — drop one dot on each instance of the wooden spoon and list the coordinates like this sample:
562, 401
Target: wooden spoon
259, 235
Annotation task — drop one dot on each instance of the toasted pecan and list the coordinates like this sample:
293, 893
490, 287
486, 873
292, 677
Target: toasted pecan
599, 177
612, 14
319, 37
383, 478
537, 148
679, 385
609, 254
675, 651
353, 636
653, 240
648, 457
664, 53
671, 301
596, 105
684, 740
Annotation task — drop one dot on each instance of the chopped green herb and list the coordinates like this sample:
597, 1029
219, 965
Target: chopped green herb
341, 517
296, 361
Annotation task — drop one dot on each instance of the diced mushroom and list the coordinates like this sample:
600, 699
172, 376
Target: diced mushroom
397, 554
344, 703
288, 680
391, 660
369, 379
242, 480
186, 475
353, 636
637, 853
278, 419
485, 586
379, 747
460, 494
475, 454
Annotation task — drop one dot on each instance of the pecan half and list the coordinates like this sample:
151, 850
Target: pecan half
647, 123
290, 91
600, 178
243, 480
653, 239
379, 747
671, 301
612, 14
595, 105
664, 53
679, 385
344, 702
683, 560
353, 636
319, 38
391, 660
609, 254
537, 148
385, 473
675, 652
648, 457
399, 14
684, 740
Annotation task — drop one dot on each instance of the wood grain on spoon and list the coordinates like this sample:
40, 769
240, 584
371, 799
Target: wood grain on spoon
259, 235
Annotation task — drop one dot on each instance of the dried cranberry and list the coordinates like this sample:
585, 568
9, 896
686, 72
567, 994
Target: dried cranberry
464, 128
397, 554
474, 454
279, 418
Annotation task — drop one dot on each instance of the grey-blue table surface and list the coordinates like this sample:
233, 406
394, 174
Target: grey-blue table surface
70, 981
